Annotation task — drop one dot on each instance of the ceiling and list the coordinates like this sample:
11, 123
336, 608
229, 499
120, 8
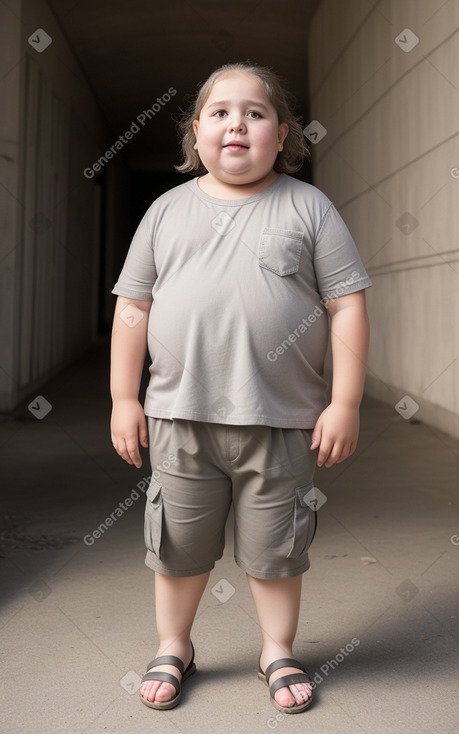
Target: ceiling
133, 52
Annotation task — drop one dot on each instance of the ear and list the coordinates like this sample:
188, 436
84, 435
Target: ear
196, 128
282, 134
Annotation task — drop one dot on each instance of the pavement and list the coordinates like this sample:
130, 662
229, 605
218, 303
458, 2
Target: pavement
379, 622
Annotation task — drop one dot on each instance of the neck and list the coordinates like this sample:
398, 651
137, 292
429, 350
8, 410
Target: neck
214, 186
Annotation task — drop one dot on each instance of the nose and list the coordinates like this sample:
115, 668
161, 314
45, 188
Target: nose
236, 124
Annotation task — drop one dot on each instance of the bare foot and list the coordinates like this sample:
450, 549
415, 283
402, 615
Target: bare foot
158, 691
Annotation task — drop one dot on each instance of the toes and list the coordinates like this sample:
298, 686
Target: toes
157, 691
301, 693
284, 697
148, 691
293, 695
165, 693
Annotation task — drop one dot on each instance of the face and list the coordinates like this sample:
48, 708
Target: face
238, 111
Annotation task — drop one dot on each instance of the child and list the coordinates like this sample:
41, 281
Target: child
233, 269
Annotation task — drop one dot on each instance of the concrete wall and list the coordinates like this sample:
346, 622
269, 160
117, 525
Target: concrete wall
51, 214
390, 162
10, 44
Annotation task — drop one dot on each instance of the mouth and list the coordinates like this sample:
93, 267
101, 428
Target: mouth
235, 146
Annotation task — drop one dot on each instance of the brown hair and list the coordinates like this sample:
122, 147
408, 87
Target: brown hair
295, 148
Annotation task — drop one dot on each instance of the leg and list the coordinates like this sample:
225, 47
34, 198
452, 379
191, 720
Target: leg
177, 600
277, 602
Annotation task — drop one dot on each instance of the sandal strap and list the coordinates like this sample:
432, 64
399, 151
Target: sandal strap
283, 663
288, 680
166, 677
167, 660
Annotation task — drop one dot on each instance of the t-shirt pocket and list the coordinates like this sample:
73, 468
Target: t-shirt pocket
279, 250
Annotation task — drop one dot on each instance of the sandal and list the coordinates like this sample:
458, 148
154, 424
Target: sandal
286, 680
168, 678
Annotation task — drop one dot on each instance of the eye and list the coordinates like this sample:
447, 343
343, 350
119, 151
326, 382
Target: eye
218, 113
252, 112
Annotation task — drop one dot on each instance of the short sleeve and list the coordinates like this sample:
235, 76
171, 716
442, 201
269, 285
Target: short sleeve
138, 275
338, 267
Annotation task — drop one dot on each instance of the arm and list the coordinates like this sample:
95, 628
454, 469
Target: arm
128, 350
337, 428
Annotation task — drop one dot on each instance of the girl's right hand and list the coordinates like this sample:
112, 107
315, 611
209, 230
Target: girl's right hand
128, 425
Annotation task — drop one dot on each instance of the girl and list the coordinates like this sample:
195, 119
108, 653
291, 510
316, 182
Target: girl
236, 270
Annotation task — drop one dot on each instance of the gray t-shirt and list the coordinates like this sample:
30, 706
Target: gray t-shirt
237, 330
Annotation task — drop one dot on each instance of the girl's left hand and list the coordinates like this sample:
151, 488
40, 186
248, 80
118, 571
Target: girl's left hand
335, 434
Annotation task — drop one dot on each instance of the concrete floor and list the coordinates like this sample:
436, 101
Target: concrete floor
77, 620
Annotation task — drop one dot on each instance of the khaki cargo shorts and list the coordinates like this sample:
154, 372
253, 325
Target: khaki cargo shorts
200, 469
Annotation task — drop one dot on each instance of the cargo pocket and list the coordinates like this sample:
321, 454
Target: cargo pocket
154, 518
304, 523
280, 250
